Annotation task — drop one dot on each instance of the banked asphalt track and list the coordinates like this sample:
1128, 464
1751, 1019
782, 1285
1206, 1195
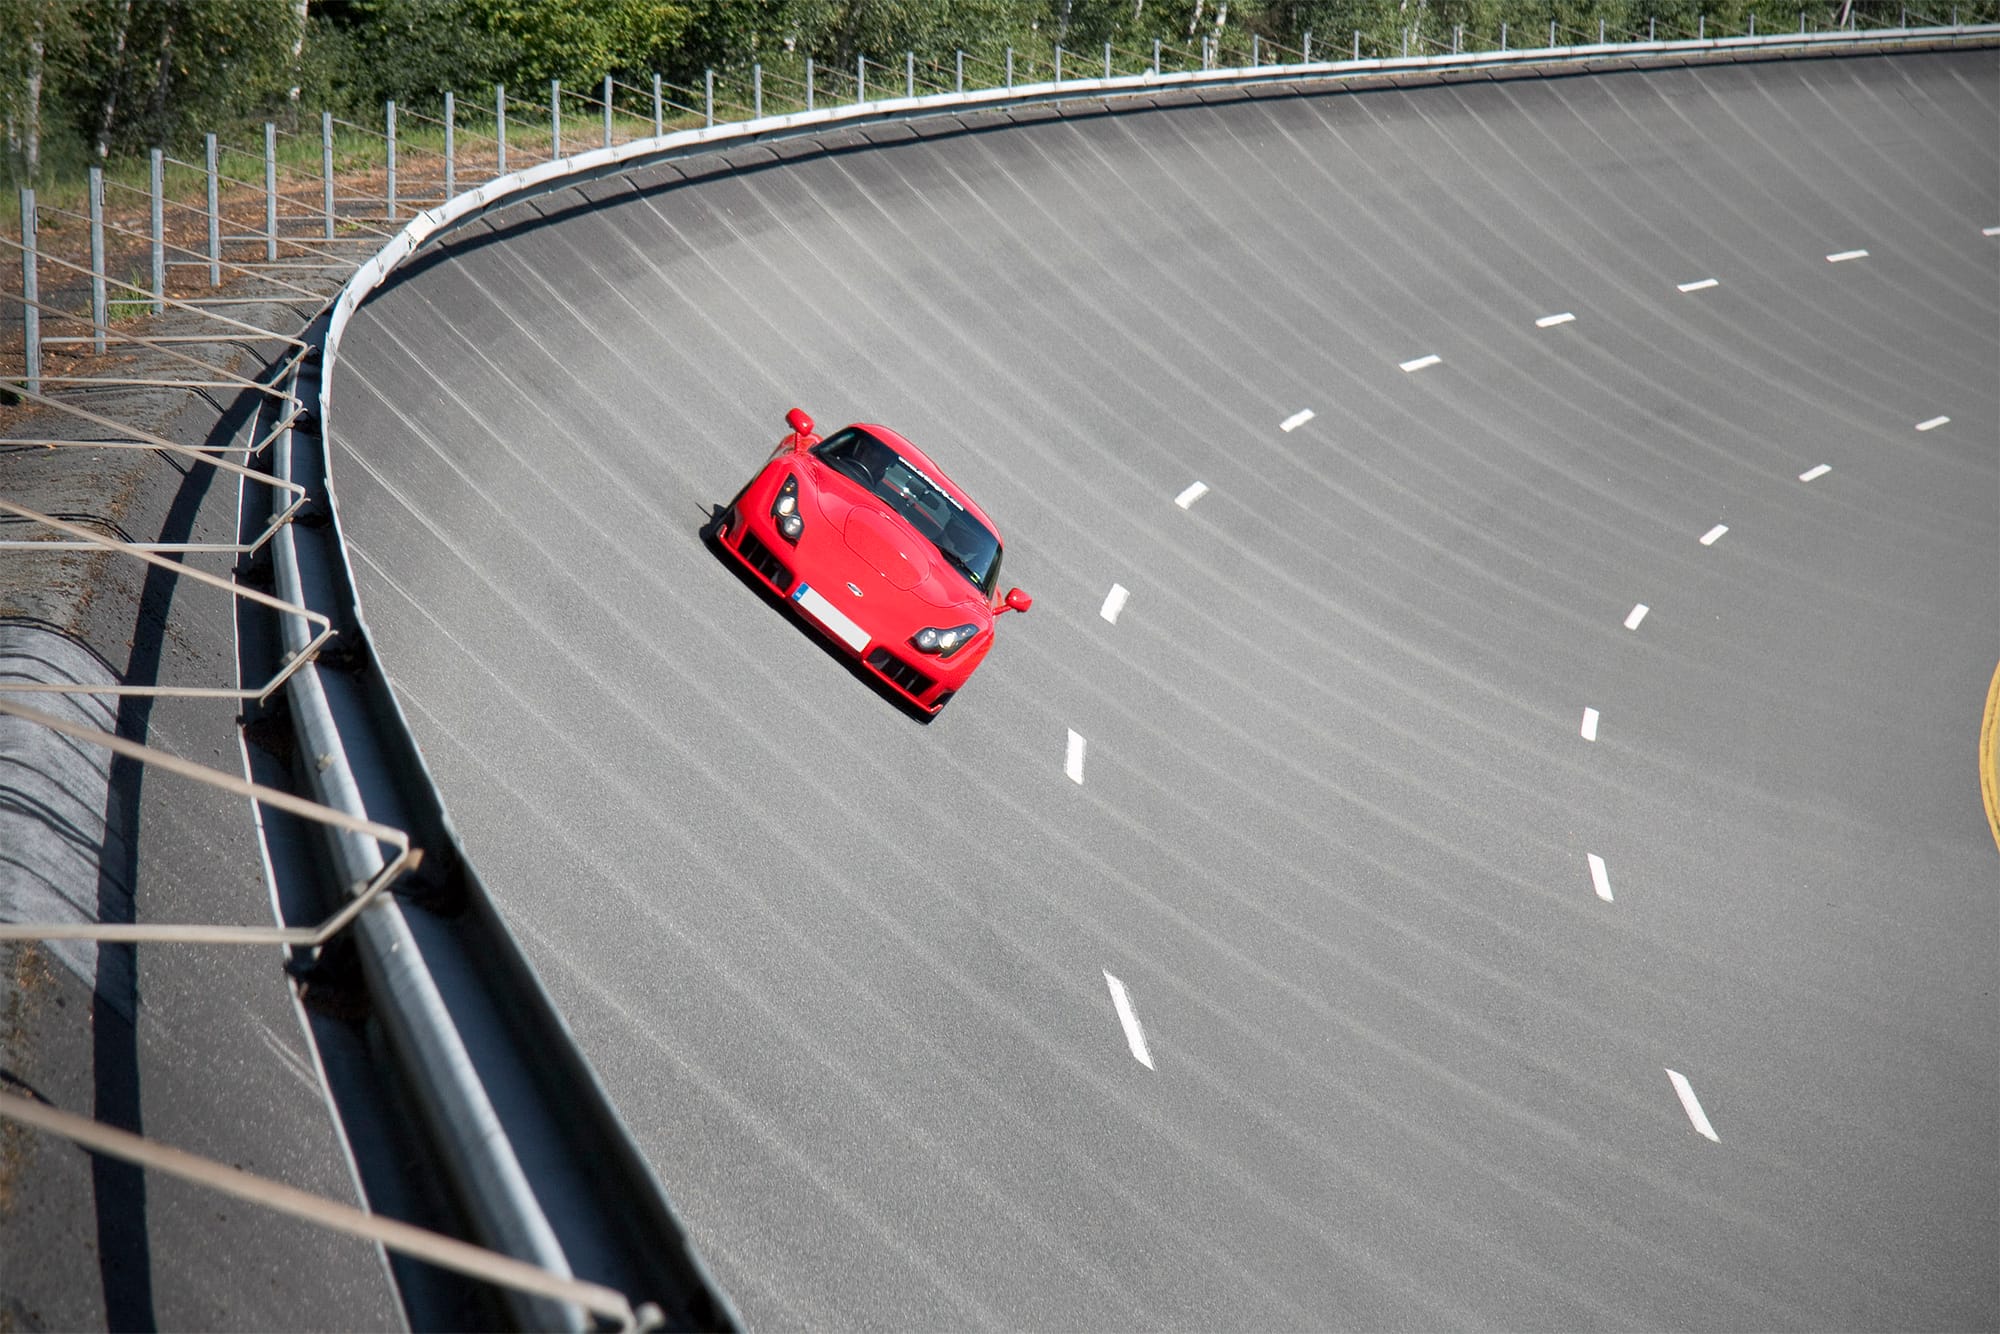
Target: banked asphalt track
847, 975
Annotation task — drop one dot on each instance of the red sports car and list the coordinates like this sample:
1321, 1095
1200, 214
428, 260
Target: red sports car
879, 550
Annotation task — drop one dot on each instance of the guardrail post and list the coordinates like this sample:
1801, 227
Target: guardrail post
1357, 43
390, 191
500, 128
1406, 42
1503, 35
1753, 23
1906, 16
707, 98
1600, 32
1010, 67
1802, 21
99, 316
1156, 57
270, 193
450, 146
909, 73
860, 80
158, 232
1257, 50
1457, 36
214, 218
659, 109
326, 169
31, 314
1552, 34
607, 111
1306, 49
1652, 30
959, 58
555, 119
1701, 27
1107, 60
1058, 62
809, 83
757, 90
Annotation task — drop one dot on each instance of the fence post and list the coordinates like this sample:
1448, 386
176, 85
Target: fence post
450, 145
860, 80
326, 169
959, 58
31, 315
707, 98
1010, 67
757, 90
270, 193
500, 128
555, 119
909, 73
99, 316
390, 192
607, 111
214, 219
659, 109
159, 231
809, 83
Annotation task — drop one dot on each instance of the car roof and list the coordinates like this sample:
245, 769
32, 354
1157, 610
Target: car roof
896, 441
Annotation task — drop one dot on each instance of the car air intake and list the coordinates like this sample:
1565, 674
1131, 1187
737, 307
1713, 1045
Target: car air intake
763, 562
906, 678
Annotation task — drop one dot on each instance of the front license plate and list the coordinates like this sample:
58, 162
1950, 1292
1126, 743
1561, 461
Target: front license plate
816, 605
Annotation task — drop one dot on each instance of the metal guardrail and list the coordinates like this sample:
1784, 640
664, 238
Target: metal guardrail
380, 763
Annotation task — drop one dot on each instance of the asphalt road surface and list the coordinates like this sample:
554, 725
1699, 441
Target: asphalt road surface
1528, 808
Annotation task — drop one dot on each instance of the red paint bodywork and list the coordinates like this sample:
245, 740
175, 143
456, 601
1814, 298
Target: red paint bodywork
853, 539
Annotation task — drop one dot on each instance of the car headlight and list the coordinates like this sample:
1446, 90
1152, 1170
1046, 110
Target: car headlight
785, 509
943, 643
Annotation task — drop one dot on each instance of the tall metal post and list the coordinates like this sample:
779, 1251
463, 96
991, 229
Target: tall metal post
389, 192
270, 193
708, 97
158, 231
450, 146
809, 83
555, 119
326, 170
31, 293
214, 219
500, 128
959, 58
99, 315
757, 90
909, 73
659, 109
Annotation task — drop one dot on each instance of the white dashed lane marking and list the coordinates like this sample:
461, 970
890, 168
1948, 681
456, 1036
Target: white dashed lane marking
1692, 1106
1600, 880
1842, 256
1932, 424
1708, 538
1192, 494
1114, 602
1989, 231
1636, 615
1419, 363
1551, 321
1812, 474
1701, 284
1590, 724
1073, 761
1135, 1037
1296, 420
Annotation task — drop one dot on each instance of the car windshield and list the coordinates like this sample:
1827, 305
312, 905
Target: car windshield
963, 540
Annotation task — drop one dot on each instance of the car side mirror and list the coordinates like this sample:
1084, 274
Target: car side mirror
802, 427
1017, 601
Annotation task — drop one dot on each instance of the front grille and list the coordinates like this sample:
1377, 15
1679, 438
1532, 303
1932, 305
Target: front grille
763, 562
907, 678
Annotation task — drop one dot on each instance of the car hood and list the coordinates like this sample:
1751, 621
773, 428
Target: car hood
885, 542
